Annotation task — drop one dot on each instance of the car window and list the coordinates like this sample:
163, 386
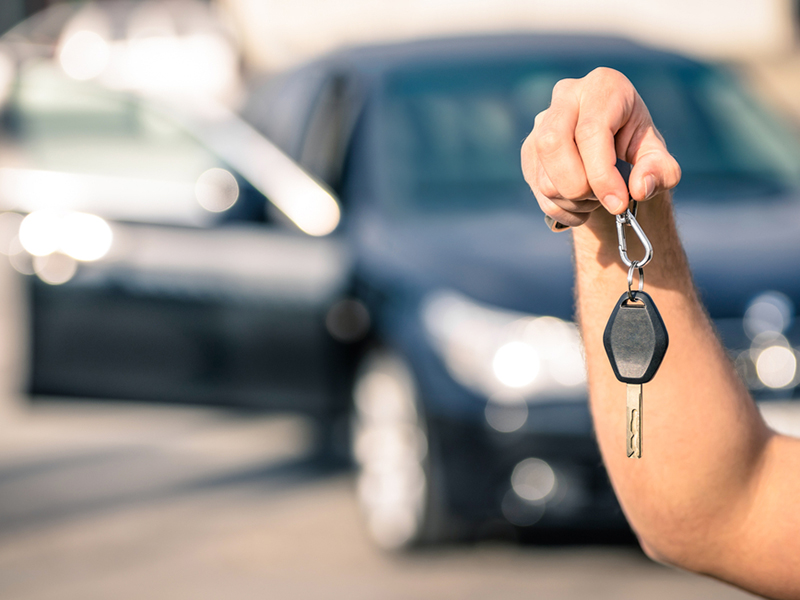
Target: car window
449, 136
281, 107
324, 144
82, 147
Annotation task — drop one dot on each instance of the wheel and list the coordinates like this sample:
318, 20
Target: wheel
399, 482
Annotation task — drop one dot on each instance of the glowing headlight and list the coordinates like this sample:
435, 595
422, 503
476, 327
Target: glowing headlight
82, 236
499, 353
516, 364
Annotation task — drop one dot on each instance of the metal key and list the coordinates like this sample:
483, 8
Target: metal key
636, 340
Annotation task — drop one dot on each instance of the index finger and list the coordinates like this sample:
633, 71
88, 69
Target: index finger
594, 136
607, 101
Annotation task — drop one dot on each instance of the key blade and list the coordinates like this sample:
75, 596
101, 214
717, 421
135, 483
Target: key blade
634, 421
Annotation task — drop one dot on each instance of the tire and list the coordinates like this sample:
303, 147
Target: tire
400, 482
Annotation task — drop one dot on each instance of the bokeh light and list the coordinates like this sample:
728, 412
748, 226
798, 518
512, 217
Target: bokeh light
533, 480
82, 236
191, 64
40, 232
776, 366
768, 312
20, 259
85, 237
84, 55
55, 268
348, 320
216, 190
506, 413
516, 364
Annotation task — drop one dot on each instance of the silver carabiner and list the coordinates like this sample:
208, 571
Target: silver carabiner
629, 218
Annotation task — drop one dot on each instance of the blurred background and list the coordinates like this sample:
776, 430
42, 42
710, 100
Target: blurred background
278, 315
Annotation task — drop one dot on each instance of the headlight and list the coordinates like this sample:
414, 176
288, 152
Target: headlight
53, 241
502, 354
82, 236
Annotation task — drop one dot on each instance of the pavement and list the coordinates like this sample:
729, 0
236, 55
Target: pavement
110, 500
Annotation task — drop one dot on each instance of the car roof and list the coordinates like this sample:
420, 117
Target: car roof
378, 58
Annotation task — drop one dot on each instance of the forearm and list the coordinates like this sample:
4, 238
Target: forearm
703, 438
715, 491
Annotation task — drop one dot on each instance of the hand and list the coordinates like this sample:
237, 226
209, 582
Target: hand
570, 156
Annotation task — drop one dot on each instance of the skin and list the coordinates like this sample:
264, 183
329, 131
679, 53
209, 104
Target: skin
716, 490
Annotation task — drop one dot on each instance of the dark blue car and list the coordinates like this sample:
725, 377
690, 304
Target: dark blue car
470, 395
435, 322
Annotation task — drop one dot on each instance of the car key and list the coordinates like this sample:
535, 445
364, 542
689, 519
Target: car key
635, 337
636, 341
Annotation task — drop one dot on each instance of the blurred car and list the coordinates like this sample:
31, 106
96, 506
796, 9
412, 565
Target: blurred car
161, 270
407, 286
470, 396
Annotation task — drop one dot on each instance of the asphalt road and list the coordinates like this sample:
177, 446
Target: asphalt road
126, 501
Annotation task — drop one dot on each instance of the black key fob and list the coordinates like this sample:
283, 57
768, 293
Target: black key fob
635, 338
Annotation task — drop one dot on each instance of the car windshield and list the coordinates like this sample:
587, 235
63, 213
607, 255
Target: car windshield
450, 136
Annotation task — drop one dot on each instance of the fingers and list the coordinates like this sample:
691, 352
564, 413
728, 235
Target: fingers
607, 102
596, 144
555, 146
579, 206
569, 159
561, 215
551, 199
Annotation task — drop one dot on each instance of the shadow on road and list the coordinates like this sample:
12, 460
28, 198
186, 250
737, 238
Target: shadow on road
53, 489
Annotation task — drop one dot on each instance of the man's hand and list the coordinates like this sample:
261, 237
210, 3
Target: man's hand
570, 156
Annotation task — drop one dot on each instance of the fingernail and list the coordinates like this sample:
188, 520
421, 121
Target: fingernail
649, 186
613, 204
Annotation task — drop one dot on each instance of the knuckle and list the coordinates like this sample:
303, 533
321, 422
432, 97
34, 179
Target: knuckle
546, 187
548, 141
576, 190
548, 206
601, 182
607, 74
563, 86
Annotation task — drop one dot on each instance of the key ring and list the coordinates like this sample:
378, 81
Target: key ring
632, 294
629, 218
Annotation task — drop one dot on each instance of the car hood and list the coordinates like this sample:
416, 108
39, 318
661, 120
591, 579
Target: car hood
505, 259
511, 260
739, 250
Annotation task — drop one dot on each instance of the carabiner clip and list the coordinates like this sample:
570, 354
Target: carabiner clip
629, 218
